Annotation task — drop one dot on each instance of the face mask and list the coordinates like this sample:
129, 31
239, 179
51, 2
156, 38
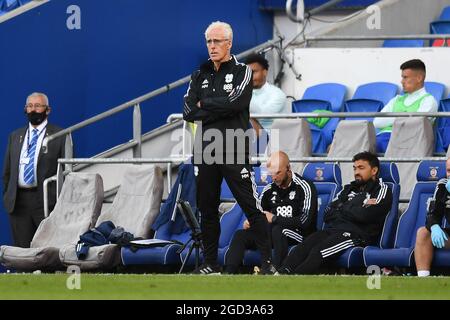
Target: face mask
447, 185
36, 118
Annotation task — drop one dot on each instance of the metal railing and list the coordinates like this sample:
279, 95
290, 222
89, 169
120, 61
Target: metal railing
307, 39
136, 104
136, 142
300, 115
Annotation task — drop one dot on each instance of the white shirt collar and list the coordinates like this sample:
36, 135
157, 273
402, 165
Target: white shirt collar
39, 127
419, 92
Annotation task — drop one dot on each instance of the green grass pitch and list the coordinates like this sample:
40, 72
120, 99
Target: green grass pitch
239, 287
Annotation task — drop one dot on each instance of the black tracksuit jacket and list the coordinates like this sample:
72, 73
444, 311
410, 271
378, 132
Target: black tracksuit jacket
439, 205
225, 97
353, 212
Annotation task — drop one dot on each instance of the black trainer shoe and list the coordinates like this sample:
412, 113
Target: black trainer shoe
282, 271
207, 269
268, 270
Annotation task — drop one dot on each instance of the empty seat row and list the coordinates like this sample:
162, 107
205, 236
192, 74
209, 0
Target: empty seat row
78, 209
9, 5
370, 97
397, 239
441, 26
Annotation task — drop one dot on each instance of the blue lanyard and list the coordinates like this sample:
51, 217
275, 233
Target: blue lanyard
28, 138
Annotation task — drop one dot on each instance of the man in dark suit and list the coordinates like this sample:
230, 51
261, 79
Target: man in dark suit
26, 167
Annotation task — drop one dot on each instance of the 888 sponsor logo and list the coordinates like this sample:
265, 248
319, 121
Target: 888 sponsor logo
285, 211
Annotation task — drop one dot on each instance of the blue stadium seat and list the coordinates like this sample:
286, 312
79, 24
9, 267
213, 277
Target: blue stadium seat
445, 14
229, 222
353, 257
328, 182
404, 43
428, 173
167, 255
443, 127
436, 89
371, 97
327, 96
439, 27
9, 5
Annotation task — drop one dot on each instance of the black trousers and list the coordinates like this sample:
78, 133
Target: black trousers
26, 217
247, 239
319, 248
242, 185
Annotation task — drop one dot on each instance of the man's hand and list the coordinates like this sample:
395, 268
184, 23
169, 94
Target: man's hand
199, 103
269, 216
369, 202
246, 225
438, 236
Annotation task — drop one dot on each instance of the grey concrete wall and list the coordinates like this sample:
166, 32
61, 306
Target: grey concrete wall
398, 17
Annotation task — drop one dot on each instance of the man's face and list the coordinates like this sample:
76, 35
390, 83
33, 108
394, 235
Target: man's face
259, 75
447, 168
412, 80
37, 104
219, 46
363, 171
279, 174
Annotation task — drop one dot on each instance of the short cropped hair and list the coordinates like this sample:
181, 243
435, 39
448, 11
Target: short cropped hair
257, 58
414, 64
38, 94
371, 158
224, 25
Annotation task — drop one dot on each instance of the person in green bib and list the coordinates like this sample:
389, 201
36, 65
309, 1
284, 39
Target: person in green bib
414, 99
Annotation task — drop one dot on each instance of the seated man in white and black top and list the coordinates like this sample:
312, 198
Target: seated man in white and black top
354, 218
290, 205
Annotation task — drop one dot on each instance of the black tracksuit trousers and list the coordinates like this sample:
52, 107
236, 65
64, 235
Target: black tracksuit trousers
319, 248
243, 187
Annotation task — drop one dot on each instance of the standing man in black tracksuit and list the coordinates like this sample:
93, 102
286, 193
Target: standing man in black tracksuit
432, 236
290, 205
218, 101
355, 218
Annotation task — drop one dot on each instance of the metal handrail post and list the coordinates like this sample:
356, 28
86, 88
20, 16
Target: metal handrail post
59, 179
137, 131
68, 151
45, 191
169, 176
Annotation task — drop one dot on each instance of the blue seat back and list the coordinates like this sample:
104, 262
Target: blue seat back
371, 97
390, 176
229, 223
379, 91
428, 174
333, 93
328, 182
443, 127
439, 27
436, 89
445, 14
309, 105
403, 43
9, 5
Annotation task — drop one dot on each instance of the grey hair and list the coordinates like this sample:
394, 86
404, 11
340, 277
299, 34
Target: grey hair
38, 94
224, 25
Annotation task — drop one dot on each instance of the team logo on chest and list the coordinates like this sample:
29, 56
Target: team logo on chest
205, 84
228, 86
291, 195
